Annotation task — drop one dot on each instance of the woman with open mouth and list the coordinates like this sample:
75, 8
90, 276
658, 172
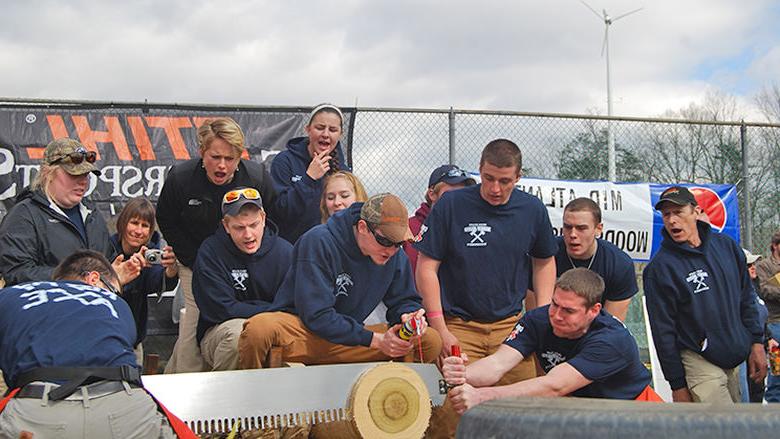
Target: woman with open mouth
298, 172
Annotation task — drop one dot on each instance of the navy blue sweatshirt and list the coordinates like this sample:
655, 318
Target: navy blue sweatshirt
298, 194
150, 281
333, 287
700, 299
229, 284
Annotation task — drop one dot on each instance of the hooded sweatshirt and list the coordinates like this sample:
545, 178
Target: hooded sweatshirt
36, 235
415, 224
299, 194
229, 284
700, 299
333, 287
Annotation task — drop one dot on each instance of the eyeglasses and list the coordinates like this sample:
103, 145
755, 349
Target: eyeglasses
78, 156
109, 286
248, 193
381, 240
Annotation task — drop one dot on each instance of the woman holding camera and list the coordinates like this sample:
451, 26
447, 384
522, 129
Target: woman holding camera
298, 172
160, 271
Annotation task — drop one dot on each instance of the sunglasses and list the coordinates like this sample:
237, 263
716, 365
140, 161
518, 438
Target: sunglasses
235, 195
77, 157
381, 240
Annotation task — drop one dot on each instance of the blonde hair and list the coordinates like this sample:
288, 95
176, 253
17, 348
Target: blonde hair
223, 128
359, 189
44, 178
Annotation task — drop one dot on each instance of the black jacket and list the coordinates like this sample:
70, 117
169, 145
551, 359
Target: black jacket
35, 236
189, 207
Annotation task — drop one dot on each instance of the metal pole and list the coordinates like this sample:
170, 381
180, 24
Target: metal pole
452, 136
747, 240
610, 134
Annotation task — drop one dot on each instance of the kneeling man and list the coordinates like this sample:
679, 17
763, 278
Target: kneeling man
584, 351
236, 275
341, 271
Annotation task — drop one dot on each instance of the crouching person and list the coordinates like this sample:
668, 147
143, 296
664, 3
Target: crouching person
341, 271
67, 354
236, 275
583, 350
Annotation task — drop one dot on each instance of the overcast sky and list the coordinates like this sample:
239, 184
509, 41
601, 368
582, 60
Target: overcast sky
527, 55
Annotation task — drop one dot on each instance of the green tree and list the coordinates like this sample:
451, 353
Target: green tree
586, 158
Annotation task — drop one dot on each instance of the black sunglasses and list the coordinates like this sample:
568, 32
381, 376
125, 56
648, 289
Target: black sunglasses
381, 240
78, 156
109, 286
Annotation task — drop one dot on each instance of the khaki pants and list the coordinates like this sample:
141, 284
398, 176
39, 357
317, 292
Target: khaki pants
268, 329
478, 340
219, 345
708, 382
186, 355
118, 415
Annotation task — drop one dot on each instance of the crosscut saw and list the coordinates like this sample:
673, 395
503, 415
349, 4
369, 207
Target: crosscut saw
380, 399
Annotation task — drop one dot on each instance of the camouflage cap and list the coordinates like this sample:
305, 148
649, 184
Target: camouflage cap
388, 213
59, 152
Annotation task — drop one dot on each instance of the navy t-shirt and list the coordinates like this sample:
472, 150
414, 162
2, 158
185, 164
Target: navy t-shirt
67, 324
484, 251
611, 263
607, 354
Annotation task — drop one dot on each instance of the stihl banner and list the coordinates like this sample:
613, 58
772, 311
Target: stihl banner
135, 145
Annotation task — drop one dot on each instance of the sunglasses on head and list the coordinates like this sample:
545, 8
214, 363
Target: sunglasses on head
248, 193
78, 156
381, 240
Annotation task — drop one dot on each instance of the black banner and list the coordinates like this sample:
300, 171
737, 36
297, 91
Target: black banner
136, 143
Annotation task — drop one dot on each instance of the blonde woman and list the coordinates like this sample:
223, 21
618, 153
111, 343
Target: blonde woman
188, 212
339, 191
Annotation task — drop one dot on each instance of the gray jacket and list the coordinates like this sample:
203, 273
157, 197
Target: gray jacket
36, 235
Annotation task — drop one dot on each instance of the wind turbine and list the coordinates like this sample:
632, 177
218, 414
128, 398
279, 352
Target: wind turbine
605, 49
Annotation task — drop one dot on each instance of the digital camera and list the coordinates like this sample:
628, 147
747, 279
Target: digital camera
153, 256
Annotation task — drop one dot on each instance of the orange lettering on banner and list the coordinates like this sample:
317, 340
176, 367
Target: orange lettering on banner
172, 127
114, 136
145, 151
197, 121
58, 131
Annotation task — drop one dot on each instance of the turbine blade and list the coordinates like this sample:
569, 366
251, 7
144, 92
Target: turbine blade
626, 14
592, 10
604, 43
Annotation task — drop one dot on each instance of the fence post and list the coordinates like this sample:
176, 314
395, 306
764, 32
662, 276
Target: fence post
747, 240
452, 135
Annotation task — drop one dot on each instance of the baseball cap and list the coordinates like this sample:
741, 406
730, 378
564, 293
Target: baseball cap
450, 174
234, 199
750, 257
70, 155
678, 195
388, 213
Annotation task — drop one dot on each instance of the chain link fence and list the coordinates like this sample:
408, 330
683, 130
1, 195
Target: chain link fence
396, 149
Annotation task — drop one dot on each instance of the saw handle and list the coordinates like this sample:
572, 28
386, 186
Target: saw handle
455, 349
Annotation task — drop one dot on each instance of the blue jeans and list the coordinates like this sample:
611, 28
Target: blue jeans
773, 381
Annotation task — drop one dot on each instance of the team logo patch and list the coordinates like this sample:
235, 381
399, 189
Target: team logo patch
343, 282
697, 278
240, 275
518, 329
477, 231
38, 294
194, 202
553, 359
296, 178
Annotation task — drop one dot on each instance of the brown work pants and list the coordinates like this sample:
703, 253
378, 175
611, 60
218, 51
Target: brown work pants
478, 340
268, 329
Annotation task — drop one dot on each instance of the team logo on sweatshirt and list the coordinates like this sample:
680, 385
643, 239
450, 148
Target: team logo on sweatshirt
343, 282
477, 231
553, 359
518, 329
296, 178
697, 278
240, 275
